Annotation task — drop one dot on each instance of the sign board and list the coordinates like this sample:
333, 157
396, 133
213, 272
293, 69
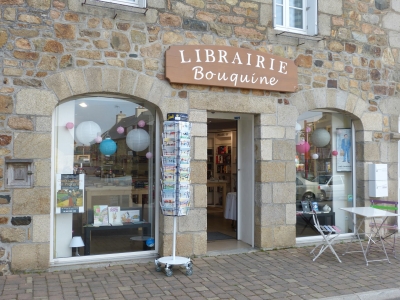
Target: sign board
230, 67
70, 196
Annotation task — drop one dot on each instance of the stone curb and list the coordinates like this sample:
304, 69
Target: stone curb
373, 295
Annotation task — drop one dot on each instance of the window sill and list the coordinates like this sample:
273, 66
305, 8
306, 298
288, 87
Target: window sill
115, 6
300, 36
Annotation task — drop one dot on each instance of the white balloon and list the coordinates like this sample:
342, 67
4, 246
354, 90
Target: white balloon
138, 139
315, 156
87, 131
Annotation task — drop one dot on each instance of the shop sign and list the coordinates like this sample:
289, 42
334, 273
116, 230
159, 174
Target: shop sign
230, 67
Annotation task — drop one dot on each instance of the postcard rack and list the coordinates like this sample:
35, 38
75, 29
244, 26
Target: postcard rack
175, 182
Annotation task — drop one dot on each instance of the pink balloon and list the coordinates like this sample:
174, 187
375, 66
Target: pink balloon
149, 155
303, 148
120, 129
98, 139
308, 129
334, 153
69, 125
141, 123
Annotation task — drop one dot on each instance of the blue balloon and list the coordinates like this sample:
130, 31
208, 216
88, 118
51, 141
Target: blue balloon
108, 147
150, 242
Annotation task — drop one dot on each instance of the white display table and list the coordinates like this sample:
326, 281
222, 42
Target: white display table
230, 207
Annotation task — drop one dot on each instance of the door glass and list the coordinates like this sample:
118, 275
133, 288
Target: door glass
323, 180
104, 177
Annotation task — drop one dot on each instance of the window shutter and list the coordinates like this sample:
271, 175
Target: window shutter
312, 17
274, 13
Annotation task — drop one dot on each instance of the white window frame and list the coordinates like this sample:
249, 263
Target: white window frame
310, 20
134, 3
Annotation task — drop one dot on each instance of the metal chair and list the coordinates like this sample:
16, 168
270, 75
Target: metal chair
390, 230
329, 233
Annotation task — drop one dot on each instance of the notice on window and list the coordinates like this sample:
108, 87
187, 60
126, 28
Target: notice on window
70, 193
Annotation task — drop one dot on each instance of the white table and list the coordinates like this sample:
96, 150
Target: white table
373, 237
230, 207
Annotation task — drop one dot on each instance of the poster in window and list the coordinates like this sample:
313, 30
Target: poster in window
70, 196
344, 148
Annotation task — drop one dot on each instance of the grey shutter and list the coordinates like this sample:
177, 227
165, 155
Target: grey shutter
312, 17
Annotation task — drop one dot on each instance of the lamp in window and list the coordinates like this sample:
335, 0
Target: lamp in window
303, 147
87, 131
76, 242
138, 139
108, 147
320, 137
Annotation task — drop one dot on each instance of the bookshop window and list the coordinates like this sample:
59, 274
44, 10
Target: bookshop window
104, 177
324, 167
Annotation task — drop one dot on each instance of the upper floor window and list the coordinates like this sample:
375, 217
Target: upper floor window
297, 16
135, 3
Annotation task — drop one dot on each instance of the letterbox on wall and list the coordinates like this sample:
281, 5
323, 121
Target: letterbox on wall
19, 173
378, 180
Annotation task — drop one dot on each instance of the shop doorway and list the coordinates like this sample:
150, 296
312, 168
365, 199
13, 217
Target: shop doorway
230, 180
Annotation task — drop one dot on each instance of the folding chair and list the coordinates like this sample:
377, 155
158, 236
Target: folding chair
329, 233
390, 230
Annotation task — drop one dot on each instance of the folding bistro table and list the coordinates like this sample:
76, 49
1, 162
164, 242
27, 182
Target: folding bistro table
374, 237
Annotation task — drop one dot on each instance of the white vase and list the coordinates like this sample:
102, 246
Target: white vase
326, 208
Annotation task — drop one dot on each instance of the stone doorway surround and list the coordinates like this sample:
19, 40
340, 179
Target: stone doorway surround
274, 142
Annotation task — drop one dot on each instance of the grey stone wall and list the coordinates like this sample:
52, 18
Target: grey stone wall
52, 51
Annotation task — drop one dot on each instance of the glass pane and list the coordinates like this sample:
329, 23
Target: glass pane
104, 177
296, 3
279, 15
323, 180
296, 18
279, 2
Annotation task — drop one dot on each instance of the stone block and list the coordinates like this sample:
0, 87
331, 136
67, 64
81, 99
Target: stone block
21, 221
287, 115
5, 210
196, 115
262, 193
273, 214
20, 123
283, 149
200, 152
199, 129
196, 222
59, 85
370, 152
194, 25
43, 124
351, 102
264, 237
270, 172
32, 145
390, 21
110, 79
143, 86
284, 192
127, 81
198, 172
266, 120
199, 195
94, 79
12, 235
35, 102
266, 12
290, 171
34, 201
175, 105
27, 257
372, 121
42, 173
76, 80
324, 24
200, 243
297, 99
271, 132
291, 214
159, 91
5, 199
284, 236
331, 8
360, 107
263, 149
41, 228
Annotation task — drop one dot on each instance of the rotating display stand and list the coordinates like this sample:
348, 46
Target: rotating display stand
175, 182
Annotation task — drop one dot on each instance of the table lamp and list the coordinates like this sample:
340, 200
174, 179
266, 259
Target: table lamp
76, 242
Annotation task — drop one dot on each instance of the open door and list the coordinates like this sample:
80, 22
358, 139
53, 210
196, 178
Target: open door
245, 174
245, 160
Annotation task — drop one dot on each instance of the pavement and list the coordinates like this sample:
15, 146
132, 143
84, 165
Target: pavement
276, 274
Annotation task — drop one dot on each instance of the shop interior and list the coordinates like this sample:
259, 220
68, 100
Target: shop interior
221, 183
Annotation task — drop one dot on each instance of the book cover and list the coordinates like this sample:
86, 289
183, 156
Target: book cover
306, 206
130, 216
100, 215
314, 206
114, 215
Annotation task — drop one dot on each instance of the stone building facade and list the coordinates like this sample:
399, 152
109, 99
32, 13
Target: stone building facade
56, 50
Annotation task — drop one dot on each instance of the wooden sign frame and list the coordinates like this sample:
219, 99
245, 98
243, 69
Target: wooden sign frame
230, 67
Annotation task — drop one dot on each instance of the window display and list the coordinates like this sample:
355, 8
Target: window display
104, 176
323, 180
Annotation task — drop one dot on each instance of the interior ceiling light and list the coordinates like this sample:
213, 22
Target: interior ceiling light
83, 104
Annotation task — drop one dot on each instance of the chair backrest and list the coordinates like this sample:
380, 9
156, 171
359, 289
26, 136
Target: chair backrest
385, 205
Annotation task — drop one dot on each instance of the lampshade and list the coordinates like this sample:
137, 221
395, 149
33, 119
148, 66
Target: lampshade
320, 137
108, 147
76, 242
138, 139
87, 131
298, 127
303, 147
